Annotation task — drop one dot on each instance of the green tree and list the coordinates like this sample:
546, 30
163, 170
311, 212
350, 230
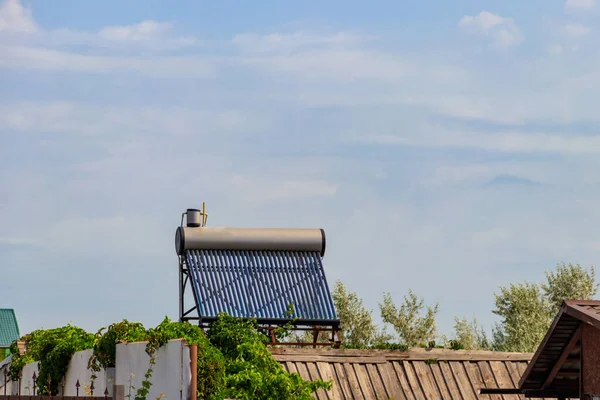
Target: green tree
356, 321
525, 317
527, 309
470, 335
569, 282
413, 328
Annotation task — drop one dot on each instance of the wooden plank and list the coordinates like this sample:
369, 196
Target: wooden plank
376, 381
399, 369
390, 381
521, 366
327, 373
513, 372
413, 380
291, 367
450, 379
476, 379
427, 380
303, 371
545, 340
440, 381
488, 378
321, 394
353, 381
417, 354
364, 381
503, 378
329, 359
464, 384
344, 386
563, 357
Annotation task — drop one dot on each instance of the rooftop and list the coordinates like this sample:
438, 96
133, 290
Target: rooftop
413, 374
9, 329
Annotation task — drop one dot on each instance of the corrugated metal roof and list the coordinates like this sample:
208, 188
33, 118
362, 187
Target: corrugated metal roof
436, 374
9, 329
260, 284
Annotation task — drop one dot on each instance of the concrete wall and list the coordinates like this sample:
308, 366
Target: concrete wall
12, 387
171, 373
78, 371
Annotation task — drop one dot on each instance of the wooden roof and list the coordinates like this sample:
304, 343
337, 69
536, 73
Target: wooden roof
554, 369
414, 374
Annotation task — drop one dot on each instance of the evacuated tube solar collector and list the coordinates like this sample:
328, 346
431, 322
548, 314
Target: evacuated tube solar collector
253, 273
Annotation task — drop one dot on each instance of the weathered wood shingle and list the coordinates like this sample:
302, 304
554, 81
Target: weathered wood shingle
417, 374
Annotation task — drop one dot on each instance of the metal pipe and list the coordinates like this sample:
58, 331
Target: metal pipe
194, 370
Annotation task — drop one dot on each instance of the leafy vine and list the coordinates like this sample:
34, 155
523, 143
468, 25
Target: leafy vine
53, 348
232, 359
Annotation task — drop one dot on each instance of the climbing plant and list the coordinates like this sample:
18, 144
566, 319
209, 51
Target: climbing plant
250, 370
53, 348
211, 363
233, 360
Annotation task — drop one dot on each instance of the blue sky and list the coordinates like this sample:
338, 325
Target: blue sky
446, 147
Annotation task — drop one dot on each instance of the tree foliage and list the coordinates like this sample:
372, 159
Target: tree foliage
413, 328
469, 335
527, 309
358, 328
250, 370
569, 281
525, 317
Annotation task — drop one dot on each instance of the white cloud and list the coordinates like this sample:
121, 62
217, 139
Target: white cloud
555, 49
81, 119
114, 234
506, 142
286, 42
24, 57
576, 30
16, 241
281, 189
490, 238
145, 30
16, 18
503, 31
580, 4
333, 65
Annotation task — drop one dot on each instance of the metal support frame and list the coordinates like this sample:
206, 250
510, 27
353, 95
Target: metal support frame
184, 279
335, 340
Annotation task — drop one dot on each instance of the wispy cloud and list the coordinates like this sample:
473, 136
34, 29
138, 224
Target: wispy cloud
580, 4
284, 189
576, 30
287, 42
38, 58
502, 31
15, 18
145, 30
503, 142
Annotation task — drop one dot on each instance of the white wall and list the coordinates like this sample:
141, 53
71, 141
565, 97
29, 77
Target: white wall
171, 373
78, 370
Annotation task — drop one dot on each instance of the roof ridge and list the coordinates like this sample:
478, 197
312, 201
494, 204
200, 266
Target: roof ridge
415, 353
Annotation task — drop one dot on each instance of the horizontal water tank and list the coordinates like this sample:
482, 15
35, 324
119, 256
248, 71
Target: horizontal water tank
197, 238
